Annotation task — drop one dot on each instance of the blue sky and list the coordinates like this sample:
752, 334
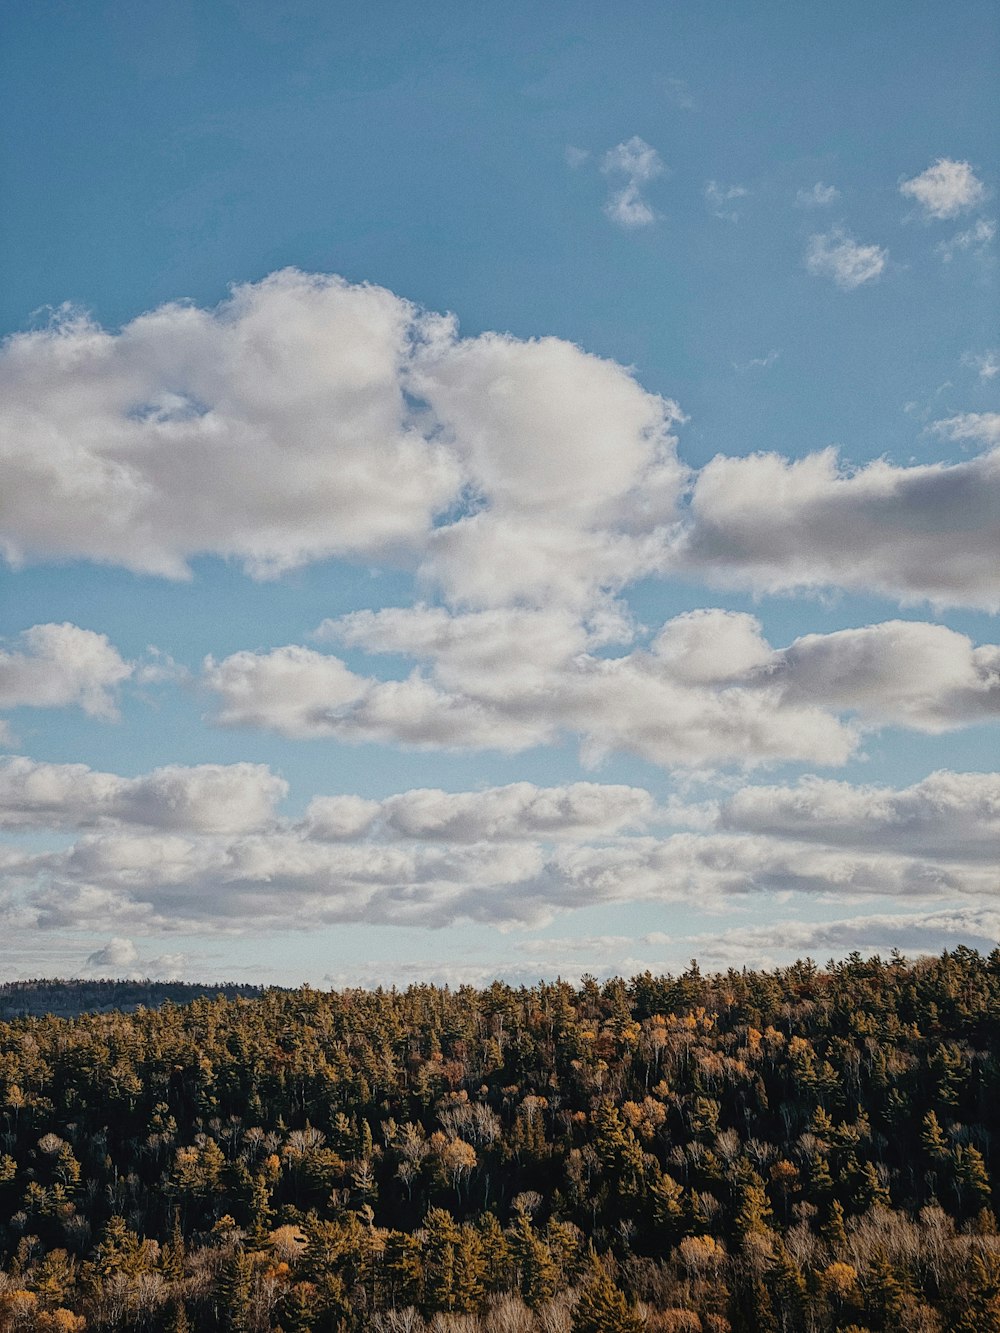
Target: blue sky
643, 607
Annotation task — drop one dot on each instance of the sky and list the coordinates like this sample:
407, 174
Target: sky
496, 491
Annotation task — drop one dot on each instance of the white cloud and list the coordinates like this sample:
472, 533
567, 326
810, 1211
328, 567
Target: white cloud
944, 815
709, 691
119, 958
515, 813
518, 811
836, 255
946, 189
118, 952
720, 200
576, 157
256, 884
976, 239
929, 532
986, 364
638, 163
306, 417
273, 429
293, 690
205, 798
58, 666
982, 427
515, 855
817, 196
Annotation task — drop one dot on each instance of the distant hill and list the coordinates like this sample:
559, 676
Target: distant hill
66, 999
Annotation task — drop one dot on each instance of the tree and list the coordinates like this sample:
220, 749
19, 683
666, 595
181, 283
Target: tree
602, 1307
536, 1269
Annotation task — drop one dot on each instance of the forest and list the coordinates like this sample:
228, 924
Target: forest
803, 1148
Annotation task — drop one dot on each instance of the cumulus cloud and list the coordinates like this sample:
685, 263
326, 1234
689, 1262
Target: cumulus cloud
118, 952
817, 196
946, 189
980, 427
498, 814
513, 856
518, 811
638, 163
836, 255
944, 815
206, 798
251, 884
306, 417
929, 532
58, 666
709, 690
119, 958
273, 429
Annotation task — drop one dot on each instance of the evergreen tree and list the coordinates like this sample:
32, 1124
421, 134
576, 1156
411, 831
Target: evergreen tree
602, 1307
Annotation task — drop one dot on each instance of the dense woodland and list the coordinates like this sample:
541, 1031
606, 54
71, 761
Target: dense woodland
803, 1149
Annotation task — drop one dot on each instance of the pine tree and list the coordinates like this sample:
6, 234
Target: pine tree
870, 1190
602, 1307
495, 1252
833, 1230
538, 1276
440, 1253
470, 1288
233, 1292
971, 1176
933, 1139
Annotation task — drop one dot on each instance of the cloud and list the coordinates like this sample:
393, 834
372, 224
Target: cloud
944, 815
576, 477
208, 798
772, 524
720, 198
576, 157
119, 958
817, 196
512, 856
513, 813
293, 690
638, 163
946, 189
986, 364
306, 418
518, 811
982, 427
59, 666
273, 430
836, 255
758, 362
976, 239
253, 884
708, 691
118, 952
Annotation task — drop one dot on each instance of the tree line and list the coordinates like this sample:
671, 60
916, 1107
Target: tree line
804, 1148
